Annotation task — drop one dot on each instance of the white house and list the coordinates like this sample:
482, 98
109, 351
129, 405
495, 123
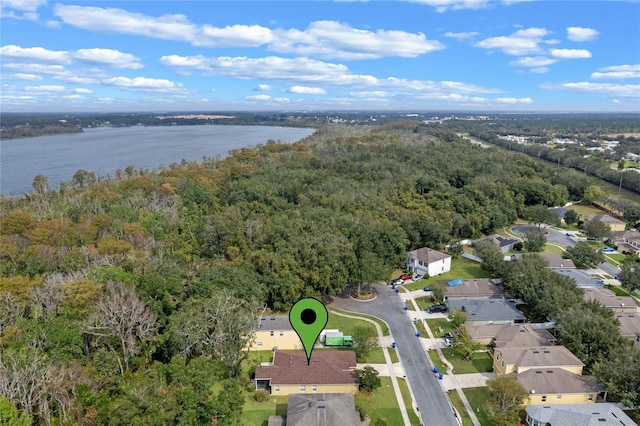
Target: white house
428, 261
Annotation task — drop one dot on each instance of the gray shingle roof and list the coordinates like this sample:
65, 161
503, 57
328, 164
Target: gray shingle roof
539, 357
324, 409
428, 255
486, 309
580, 415
277, 322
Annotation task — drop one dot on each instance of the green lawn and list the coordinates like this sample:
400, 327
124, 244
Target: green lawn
423, 302
619, 291
553, 249
421, 329
437, 361
348, 325
584, 210
440, 326
615, 256
383, 325
460, 268
481, 362
457, 402
406, 397
381, 404
257, 413
393, 355
477, 397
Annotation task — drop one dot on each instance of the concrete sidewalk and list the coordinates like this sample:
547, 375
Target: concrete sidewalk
383, 369
461, 381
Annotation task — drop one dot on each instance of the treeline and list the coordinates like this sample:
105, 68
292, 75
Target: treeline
112, 292
38, 130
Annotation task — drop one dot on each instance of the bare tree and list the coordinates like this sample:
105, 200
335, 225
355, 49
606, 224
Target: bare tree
10, 310
121, 317
46, 298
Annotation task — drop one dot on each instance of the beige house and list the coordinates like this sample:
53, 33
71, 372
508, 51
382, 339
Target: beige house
618, 304
329, 371
627, 241
614, 224
630, 327
507, 335
275, 332
518, 359
428, 261
558, 386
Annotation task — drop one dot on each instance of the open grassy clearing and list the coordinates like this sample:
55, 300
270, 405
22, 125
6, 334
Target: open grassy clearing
481, 362
381, 404
457, 402
406, 397
382, 324
440, 326
477, 398
437, 361
460, 268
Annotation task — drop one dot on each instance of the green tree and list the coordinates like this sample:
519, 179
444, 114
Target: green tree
455, 250
583, 254
620, 375
506, 395
227, 406
365, 339
438, 292
592, 194
597, 229
10, 416
458, 317
630, 276
571, 217
541, 215
464, 344
368, 379
40, 184
492, 257
535, 240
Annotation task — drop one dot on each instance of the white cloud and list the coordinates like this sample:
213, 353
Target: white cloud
581, 34
336, 40
262, 88
515, 100
261, 97
304, 90
34, 53
22, 76
570, 53
522, 42
539, 70
44, 88
234, 36
611, 89
107, 57
72, 97
510, 2
82, 90
371, 94
617, 72
143, 83
462, 36
444, 5
76, 80
533, 61
282, 100
27, 8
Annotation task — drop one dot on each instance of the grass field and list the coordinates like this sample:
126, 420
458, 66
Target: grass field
585, 210
440, 326
382, 324
381, 404
549, 248
457, 402
423, 302
406, 397
460, 268
481, 362
437, 361
347, 326
257, 413
477, 397
393, 355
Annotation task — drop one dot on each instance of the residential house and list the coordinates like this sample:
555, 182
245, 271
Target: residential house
630, 327
600, 414
582, 278
554, 260
626, 241
614, 224
558, 386
324, 409
506, 335
618, 304
330, 371
487, 311
505, 244
275, 332
474, 288
517, 359
428, 261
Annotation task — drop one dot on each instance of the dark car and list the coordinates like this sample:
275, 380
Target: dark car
437, 308
448, 336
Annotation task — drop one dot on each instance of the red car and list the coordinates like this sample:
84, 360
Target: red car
406, 276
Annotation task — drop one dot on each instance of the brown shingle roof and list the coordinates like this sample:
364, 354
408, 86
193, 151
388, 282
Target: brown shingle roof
330, 367
539, 357
555, 260
428, 255
604, 218
472, 288
608, 298
629, 324
522, 335
556, 381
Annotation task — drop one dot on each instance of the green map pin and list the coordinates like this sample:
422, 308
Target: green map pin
308, 317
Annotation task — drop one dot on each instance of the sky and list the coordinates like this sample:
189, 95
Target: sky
422, 55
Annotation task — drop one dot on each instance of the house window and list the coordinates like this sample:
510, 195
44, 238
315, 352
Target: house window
314, 388
303, 388
281, 333
503, 362
276, 388
544, 398
591, 397
497, 355
271, 333
259, 343
559, 397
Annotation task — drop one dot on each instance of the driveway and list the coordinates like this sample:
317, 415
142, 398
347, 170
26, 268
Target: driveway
430, 398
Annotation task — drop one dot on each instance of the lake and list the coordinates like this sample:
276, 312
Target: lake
106, 149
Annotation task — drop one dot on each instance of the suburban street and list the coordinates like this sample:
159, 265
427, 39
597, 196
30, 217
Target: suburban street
432, 403
558, 237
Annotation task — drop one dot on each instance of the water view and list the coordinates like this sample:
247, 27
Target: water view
104, 150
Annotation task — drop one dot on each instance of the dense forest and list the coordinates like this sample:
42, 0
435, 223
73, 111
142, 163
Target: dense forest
112, 293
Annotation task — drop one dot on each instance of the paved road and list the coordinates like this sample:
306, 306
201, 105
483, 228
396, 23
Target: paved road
559, 237
433, 404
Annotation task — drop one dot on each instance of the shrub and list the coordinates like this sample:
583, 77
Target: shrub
261, 396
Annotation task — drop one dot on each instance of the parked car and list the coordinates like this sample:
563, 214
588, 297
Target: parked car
428, 289
447, 343
397, 282
405, 277
437, 308
417, 277
608, 250
448, 336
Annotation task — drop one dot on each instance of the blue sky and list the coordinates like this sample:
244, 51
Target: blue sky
464, 55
